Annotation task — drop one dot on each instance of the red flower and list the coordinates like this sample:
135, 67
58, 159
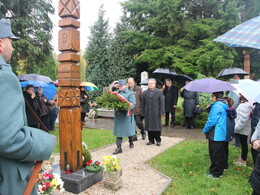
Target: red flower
44, 188
122, 99
98, 163
47, 184
88, 163
50, 176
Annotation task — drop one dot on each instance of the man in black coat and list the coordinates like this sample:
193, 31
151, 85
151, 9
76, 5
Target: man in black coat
153, 109
30, 97
171, 98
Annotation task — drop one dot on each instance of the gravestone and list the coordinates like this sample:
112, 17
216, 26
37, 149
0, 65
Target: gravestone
144, 75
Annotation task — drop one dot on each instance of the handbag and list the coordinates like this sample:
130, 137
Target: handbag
198, 110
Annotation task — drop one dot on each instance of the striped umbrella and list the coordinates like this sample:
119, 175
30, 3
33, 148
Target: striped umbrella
89, 86
246, 34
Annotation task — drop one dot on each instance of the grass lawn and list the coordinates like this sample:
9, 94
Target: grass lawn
187, 164
94, 138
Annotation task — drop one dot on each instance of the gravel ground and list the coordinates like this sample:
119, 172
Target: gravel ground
137, 178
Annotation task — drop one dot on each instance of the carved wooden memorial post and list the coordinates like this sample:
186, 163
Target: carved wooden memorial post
69, 81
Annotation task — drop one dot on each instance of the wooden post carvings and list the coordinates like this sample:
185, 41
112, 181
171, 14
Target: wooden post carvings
69, 81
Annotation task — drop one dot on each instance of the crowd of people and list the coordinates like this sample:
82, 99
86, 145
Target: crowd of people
37, 103
22, 143
152, 104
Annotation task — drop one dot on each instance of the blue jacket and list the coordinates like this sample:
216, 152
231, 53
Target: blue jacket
20, 145
215, 128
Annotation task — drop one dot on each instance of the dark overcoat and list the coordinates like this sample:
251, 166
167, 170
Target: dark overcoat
35, 105
171, 98
138, 91
152, 109
20, 145
84, 102
191, 99
124, 125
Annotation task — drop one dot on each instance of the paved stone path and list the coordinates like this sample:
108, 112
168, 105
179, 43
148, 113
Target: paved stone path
137, 178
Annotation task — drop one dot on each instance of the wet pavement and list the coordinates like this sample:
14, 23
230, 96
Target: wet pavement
178, 131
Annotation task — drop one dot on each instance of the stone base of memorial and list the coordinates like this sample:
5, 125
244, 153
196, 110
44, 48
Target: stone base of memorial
81, 180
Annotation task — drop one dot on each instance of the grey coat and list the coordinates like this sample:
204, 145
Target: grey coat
20, 145
190, 101
153, 109
124, 125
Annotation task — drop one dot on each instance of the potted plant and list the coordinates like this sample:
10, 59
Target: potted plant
112, 172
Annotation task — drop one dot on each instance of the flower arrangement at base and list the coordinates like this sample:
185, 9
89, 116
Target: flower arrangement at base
93, 167
111, 163
113, 101
48, 182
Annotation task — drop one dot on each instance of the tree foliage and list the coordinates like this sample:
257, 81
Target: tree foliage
31, 22
178, 34
97, 52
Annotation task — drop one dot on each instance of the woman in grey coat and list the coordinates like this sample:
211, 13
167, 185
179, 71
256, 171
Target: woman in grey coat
191, 100
124, 125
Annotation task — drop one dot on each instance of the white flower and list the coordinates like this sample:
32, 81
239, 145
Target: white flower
84, 145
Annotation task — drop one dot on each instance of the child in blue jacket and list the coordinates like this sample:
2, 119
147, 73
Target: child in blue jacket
215, 130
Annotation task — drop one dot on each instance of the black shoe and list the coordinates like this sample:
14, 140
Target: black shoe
150, 143
166, 125
158, 143
172, 125
143, 136
118, 150
131, 145
135, 138
191, 127
186, 127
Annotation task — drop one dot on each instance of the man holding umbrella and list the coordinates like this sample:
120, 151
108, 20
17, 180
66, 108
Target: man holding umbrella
20, 145
171, 98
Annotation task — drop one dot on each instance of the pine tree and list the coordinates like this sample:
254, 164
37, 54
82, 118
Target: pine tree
121, 62
97, 53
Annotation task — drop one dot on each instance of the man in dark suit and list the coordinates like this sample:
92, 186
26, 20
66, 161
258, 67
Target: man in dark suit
171, 98
137, 110
153, 109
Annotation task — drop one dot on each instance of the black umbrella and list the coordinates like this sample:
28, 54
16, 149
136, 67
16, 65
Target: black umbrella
165, 71
34, 77
182, 78
145, 82
230, 72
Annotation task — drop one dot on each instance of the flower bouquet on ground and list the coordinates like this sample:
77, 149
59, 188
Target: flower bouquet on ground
93, 167
113, 101
49, 183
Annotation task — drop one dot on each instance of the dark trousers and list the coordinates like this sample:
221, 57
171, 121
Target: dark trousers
254, 154
237, 140
154, 135
189, 121
119, 140
53, 116
83, 115
244, 146
226, 155
139, 123
167, 116
217, 158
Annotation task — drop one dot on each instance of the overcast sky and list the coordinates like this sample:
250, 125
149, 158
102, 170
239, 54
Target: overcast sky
89, 13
